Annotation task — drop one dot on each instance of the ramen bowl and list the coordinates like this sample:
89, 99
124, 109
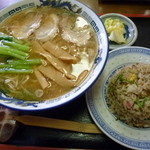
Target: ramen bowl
98, 64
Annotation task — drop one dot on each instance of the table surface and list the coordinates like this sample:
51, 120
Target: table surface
75, 110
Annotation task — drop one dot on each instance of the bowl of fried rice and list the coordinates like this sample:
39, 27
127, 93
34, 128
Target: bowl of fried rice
119, 101
129, 94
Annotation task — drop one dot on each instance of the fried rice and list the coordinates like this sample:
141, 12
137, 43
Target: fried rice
129, 94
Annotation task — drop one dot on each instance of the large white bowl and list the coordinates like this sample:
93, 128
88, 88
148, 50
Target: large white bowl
99, 64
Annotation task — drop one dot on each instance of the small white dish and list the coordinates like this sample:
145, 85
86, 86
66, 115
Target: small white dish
131, 137
131, 29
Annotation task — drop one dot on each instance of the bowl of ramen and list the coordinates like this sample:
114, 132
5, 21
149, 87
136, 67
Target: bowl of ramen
51, 52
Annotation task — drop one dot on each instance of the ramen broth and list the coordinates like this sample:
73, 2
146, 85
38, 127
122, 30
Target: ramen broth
65, 43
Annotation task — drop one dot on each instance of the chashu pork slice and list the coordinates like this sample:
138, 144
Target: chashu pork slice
77, 35
23, 29
48, 28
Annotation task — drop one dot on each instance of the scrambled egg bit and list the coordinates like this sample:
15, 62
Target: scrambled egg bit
132, 77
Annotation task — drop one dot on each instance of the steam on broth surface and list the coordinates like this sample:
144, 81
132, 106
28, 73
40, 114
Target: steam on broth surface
61, 45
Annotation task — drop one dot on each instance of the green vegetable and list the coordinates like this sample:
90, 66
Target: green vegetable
111, 88
18, 41
29, 95
10, 46
5, 37
141, 102
121, 78
7, 48
15, 66
35, 61
14, 53
9, 38
19, 66
18, 46
115, 29
13, 70
18, 49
